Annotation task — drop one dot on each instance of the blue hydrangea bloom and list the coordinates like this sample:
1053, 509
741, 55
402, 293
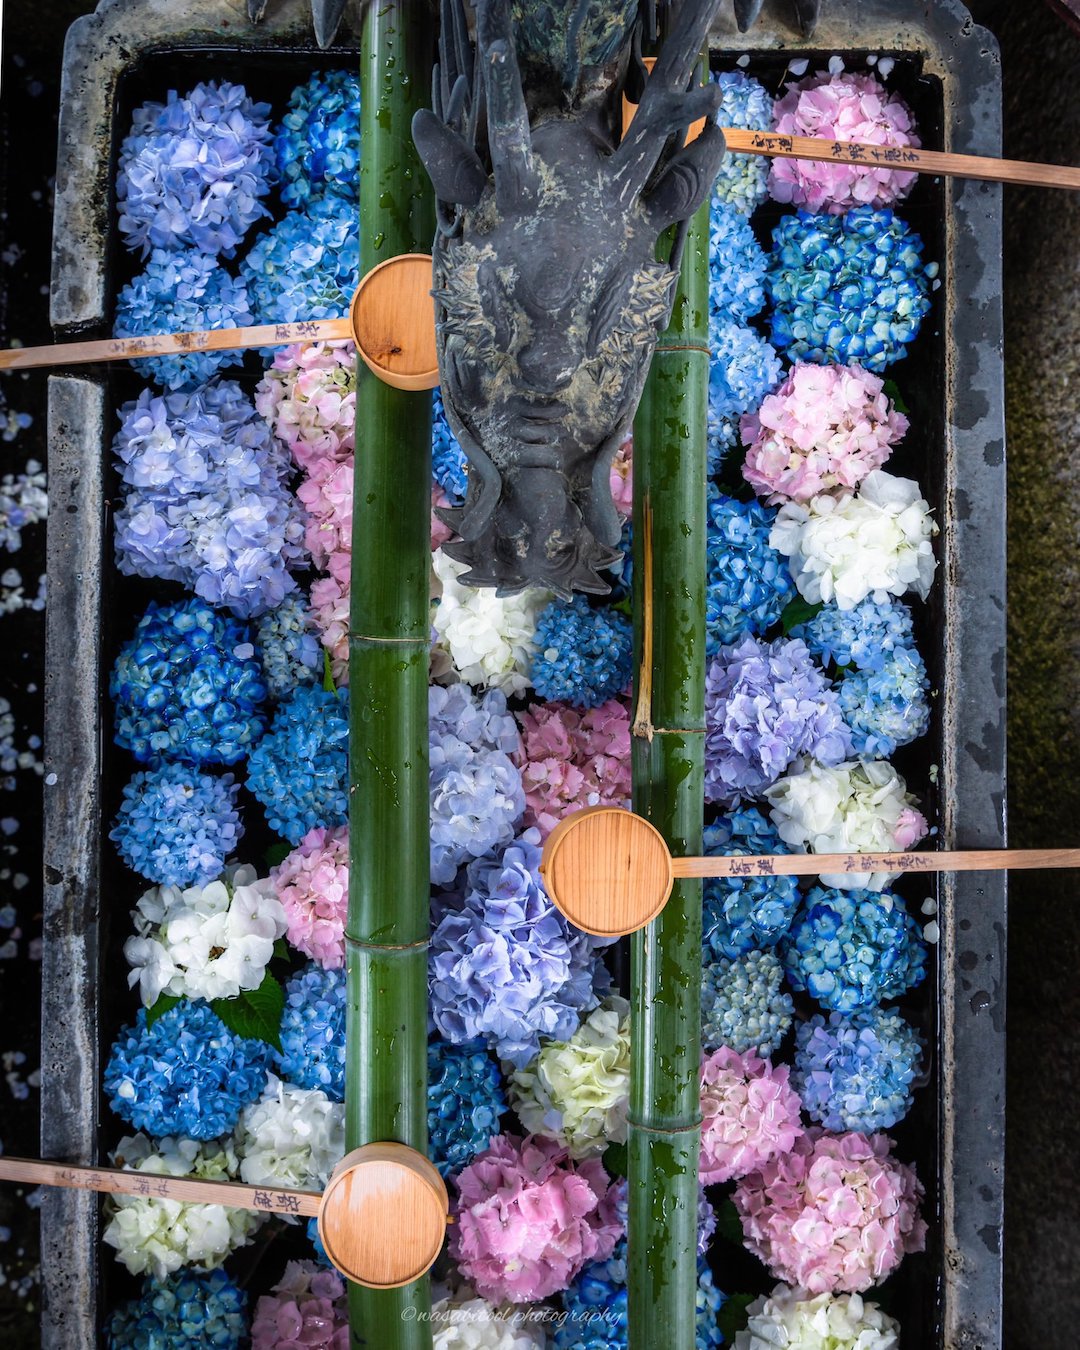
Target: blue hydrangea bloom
863, 637
192, 170
743, 914
597, 1316
188, 1075
300, 769
316, 1241
477, 796
583, 655
313, 1031
318, 143
722, 437
307, 266
886, 708
742, 1005
743, 179
749, 582
449, 467
465, 1099
187, 1309
736, 266
188, 687
180, 292
743, 368
856, 1071
505, 967
847, 289
290, 649
853, 949
766, 703
207, 500
177, 826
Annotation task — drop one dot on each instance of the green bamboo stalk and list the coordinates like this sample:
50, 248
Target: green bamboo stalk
387, 929
668, 788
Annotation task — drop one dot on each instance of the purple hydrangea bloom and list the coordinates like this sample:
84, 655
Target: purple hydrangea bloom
206, 498
313, 1031
176, 826
749, 582
187, 1075
465, 1100
583, 654
318, 143
743, 914
300, 770
505, 967
476, 792
736, 266
853, 949
188, 687
863, 637
765, 705
856, 1071
307, 266
177, 293
886, 708
289, 646
193, 169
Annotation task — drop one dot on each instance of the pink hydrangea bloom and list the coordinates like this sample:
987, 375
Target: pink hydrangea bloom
749, 1112
826, 427
308, 398
529, 1218
313, 887
570, 759
440, 533
327, 494
843, 107
836, 1214
911, 826
622, 478
330, 614
307, 1308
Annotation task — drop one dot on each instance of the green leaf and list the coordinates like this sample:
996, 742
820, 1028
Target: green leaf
277, 853
616, 1162
732, 1318
891, 391
728, 1223
623, 606
255, 1013
281, 950
160, 1008
798, 611
327, 672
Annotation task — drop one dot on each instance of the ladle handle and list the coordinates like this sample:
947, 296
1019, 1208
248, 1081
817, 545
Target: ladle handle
905, 158
811, 864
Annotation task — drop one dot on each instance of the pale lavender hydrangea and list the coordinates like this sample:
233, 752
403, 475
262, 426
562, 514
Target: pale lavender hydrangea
206, 498
505, 967
765, 705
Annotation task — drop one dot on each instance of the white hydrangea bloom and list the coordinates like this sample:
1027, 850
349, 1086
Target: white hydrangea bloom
489, 638
873, 542
205, 941
576, 1091
464, 1321
158, 1235
796, 1320
854, 807
292, 1137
